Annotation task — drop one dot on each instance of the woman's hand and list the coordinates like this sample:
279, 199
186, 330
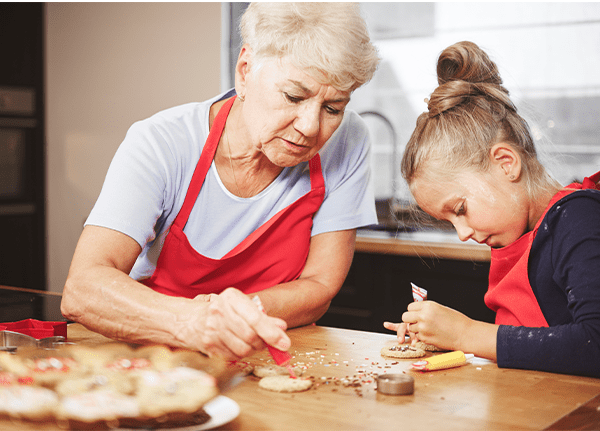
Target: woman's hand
231, 326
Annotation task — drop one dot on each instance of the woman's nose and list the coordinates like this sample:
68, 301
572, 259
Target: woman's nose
464, 232
308, 120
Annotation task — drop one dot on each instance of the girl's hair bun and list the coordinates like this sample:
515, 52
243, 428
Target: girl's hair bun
466, 75
465, 61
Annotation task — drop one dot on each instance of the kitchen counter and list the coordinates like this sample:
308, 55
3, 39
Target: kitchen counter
435, 243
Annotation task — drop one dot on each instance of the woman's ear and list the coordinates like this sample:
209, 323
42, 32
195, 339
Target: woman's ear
241, 70
505, 158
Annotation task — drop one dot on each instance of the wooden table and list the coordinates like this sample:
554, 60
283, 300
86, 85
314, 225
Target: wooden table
476, 396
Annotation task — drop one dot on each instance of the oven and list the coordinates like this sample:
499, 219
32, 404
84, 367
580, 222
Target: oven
17, 149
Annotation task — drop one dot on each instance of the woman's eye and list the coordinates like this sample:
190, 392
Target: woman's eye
461, 209
331, 110
292, 99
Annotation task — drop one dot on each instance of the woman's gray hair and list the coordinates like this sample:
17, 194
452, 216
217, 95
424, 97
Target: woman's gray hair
330, 38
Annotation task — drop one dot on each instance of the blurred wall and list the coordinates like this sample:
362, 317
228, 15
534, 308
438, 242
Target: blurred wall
107, 66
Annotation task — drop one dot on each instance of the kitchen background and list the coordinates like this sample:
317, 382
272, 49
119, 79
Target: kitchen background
107, 65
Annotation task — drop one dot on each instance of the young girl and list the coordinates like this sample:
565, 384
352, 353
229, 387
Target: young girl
471, 161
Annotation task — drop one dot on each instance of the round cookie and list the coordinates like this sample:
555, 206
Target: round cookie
428, 347
242, 367
402, 351
284, 384
275, 370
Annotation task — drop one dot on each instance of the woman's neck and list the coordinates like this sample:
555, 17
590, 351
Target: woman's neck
244, 171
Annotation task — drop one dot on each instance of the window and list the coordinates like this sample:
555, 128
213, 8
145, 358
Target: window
548, 55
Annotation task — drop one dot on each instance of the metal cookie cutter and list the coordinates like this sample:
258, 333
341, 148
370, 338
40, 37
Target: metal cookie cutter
395, 384
11, 341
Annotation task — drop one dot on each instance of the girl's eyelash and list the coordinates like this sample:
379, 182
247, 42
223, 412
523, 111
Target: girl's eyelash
460, 209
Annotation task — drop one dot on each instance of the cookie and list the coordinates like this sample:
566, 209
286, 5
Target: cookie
179, 390
402, 351
89, 388
242, 367
98, 405
29, 402
116, 381
428, 347
284, 384
275, 370
97, 359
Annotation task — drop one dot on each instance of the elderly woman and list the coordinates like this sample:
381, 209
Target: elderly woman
256, 192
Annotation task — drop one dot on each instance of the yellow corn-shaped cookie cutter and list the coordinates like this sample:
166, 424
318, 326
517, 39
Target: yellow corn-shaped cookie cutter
443, 361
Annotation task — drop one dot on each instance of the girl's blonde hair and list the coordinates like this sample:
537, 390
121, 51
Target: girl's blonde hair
468, 113
329, 38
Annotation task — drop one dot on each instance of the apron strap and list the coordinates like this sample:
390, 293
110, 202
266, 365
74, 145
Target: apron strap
592, 182
316, 175
206, 159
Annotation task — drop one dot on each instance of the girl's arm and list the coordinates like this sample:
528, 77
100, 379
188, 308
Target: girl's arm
564, 267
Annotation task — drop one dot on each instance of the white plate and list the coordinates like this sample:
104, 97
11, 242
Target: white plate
222, 410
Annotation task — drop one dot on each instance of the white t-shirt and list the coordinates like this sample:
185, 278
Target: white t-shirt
150, 173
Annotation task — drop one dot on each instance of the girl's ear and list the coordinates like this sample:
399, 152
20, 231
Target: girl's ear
505, 158
241, 70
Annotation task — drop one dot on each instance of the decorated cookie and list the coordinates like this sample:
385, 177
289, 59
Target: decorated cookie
116, 381
31, 402
98, 405
428, 347
242, 367
276, 370
284, 384
180, 389
402, 351
98, 388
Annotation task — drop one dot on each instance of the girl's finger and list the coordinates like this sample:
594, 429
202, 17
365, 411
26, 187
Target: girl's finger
391, 326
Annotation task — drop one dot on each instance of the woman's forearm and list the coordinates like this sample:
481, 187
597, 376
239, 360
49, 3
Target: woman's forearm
300, 302
109, 302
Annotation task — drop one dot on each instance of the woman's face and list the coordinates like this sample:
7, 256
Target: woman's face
287, 114
487, 208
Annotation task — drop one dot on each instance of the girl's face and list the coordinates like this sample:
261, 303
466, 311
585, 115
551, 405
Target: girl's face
485, 207
287, 114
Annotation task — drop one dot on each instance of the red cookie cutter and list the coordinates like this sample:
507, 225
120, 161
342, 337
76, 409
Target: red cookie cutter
36, 328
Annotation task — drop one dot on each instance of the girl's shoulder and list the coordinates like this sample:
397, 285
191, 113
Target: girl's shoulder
583, 199
576, 213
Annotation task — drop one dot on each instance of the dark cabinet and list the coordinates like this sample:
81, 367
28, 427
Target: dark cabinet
378, 288
21, 44
22, 147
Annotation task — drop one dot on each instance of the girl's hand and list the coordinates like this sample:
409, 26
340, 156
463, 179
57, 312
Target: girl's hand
436, 324
400, 328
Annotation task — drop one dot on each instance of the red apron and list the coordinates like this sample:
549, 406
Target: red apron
274, 253
509, 292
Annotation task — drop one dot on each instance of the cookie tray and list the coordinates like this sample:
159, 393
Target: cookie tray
10, 341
